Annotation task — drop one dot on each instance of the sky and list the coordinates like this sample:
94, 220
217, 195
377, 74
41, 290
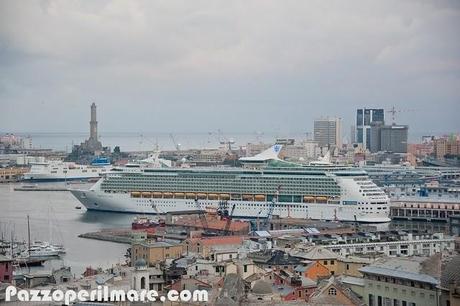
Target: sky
239, 66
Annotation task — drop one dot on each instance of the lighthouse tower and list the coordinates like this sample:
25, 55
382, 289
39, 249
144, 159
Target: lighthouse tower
92, 144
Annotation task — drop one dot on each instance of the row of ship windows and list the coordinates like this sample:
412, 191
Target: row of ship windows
200, 186
173, 204
246, 182
291, 207
214, 177
371, 208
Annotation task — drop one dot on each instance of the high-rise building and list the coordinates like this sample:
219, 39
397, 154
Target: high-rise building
364, 118
352, 134
327, 132
375, 143
393, 138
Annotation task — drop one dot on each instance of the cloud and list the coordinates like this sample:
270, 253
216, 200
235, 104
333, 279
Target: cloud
230, 64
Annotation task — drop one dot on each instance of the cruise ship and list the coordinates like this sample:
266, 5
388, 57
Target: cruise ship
66, 171
320, 190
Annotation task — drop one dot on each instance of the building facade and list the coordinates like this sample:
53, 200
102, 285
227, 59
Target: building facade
410, 247
327, 132
446, 146
155, 252
393, 138
399, 282
364, 118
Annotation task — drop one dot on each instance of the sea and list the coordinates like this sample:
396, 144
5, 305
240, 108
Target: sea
148, 141
138, 141
54, 218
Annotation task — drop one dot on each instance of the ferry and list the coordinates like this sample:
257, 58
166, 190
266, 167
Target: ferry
66, 171
265, 184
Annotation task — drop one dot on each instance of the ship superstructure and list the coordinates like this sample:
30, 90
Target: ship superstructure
64, 171
326, 191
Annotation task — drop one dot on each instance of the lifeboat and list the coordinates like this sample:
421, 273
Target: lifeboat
135, 194
179, 195
321, 199
189, 195
224, 196
259, 197
167, 195
248, 197
308, 199
157, 194
146, 194
213, 196
201, 196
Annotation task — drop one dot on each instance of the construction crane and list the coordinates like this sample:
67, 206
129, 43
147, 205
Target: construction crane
393, 111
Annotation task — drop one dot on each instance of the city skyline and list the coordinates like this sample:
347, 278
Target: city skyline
239, 67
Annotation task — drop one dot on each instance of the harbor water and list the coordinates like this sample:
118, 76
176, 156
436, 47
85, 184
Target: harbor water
54, 217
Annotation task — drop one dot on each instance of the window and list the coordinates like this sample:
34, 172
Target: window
332, 262
371, 300
348, 267
332, 291
245, 268
325, 262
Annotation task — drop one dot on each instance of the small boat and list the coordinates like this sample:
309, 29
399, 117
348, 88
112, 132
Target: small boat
77, 207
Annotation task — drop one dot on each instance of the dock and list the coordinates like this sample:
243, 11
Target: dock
125, 236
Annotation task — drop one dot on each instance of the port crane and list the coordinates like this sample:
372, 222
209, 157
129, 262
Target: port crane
229, 220
271, 207
176, 145
161, 222
201, 215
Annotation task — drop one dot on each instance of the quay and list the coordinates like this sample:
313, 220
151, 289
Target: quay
11, 175
127, 236
424, 210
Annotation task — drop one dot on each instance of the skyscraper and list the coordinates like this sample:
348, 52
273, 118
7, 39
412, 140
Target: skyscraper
327, 132
364, 118
393, 138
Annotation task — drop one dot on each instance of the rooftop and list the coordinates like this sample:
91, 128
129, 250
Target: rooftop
314, 253
413, 268
219, 240
157, 244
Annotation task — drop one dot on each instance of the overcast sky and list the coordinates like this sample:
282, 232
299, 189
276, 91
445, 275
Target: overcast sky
239, 66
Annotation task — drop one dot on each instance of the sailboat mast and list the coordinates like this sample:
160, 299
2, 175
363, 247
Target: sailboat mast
28, 232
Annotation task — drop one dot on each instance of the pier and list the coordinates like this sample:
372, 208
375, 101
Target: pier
126, 236
423, 210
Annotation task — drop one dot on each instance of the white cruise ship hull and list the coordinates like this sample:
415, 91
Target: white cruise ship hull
123, 202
